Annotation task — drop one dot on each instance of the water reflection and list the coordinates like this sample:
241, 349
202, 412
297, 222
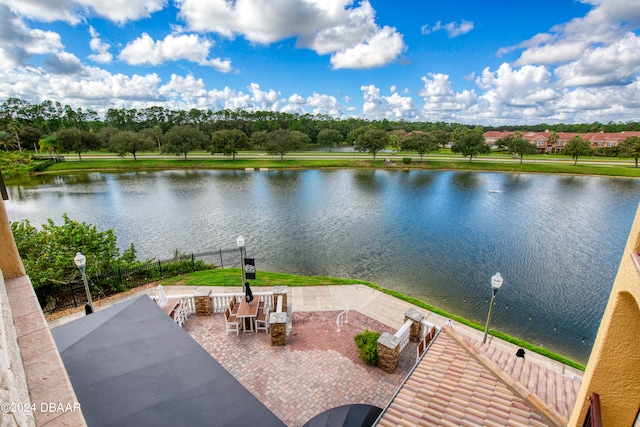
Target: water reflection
434, 235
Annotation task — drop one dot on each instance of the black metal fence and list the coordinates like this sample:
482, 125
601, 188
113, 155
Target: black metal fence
73, 294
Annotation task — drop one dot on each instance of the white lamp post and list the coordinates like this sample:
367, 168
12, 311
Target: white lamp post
81, 263
240, 242
496, 282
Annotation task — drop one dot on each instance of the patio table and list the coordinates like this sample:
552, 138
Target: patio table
248, 312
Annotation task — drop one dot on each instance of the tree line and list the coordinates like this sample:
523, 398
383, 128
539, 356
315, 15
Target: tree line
53, 128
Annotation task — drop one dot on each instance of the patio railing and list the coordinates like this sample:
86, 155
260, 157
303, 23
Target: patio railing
340, 320
403, 334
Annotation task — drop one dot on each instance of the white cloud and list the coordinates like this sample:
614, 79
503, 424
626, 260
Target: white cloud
76, 11
18, 42
438, 96
325, 26
597, 49
395, 106
383, 47
614, 64
144, 50
453, 29
266, 101
101, 49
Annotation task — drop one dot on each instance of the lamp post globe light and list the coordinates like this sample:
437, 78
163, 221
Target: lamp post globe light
240, 242
81, 263
496, 283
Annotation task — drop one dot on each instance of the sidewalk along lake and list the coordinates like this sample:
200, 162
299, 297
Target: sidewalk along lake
435, 235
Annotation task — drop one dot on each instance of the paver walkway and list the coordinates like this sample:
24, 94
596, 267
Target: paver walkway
317, 370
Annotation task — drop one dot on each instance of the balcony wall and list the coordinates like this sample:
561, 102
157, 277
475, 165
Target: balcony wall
613, 370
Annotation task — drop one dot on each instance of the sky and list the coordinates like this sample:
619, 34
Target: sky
491, 63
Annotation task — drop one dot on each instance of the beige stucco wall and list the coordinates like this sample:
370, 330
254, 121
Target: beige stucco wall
10, 262
613, 370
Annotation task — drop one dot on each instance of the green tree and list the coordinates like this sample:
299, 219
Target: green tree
73, 140
372, 141
329, 138
516, 144
421, 142
15, 127
229, 142
183, 139
553, 139
125, 142
48, 144
157, 133
577, 147
470, 142
259, 138
441, 136
47, 254
279, 142
630, 147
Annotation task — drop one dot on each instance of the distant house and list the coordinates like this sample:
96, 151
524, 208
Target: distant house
544, 144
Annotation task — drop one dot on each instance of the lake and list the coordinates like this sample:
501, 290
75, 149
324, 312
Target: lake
435, 235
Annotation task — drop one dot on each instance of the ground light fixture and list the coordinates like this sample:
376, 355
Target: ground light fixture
496, 283
81, 263
240, 242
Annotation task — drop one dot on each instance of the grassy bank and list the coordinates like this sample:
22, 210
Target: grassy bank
229, 277
482, 164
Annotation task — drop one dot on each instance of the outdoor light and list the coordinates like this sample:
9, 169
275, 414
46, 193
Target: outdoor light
81, 263
496, 283
240, 242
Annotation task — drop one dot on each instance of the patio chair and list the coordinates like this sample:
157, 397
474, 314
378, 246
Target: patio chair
262, 319
233, 305
231, 322
181, 313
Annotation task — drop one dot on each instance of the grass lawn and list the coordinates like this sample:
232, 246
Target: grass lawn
494, 164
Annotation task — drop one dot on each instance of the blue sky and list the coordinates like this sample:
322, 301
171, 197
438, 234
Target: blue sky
491, 63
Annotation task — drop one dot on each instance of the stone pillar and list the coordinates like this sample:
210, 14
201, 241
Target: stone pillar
416, 317
280, 290
202, 300
278, 327
388, 352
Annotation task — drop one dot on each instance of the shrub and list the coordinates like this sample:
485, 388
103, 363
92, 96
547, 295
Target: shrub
406, 160
367, 342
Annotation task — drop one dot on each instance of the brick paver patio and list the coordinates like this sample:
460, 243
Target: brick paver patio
317, 370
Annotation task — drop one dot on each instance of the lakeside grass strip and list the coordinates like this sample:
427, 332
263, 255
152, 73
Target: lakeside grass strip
478, 165
232, 277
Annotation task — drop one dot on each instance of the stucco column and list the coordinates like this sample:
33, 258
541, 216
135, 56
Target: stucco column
10, 262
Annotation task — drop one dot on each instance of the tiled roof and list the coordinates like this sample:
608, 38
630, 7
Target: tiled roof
455, 385
557, 390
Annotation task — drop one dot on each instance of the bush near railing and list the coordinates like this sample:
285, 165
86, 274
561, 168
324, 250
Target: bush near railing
73, 294
367, 342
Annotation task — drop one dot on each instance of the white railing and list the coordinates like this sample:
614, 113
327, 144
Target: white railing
340, 320
403, 334
221, 301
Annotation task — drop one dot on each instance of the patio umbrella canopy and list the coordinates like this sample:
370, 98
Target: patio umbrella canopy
132, 365
355, 415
